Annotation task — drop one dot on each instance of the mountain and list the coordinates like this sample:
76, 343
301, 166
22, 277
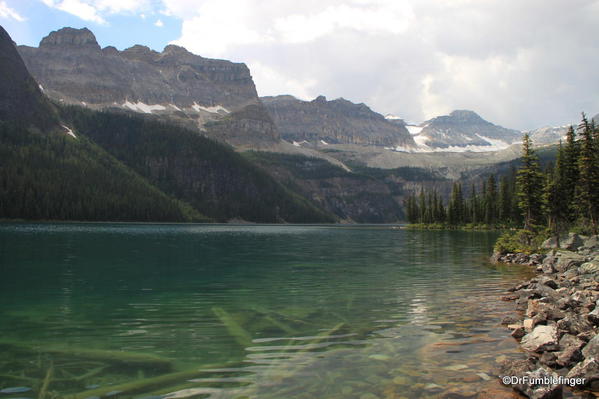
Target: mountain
66, 162
596, 119
21, 100
204, 173
463, 130
547, 135
320, 122
174, 84
47, 171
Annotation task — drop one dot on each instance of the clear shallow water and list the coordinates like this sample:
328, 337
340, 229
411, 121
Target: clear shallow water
249, 311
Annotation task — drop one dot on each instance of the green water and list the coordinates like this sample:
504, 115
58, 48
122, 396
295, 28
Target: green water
249, 311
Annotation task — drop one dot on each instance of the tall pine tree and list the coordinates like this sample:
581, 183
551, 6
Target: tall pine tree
529, 183
587, 190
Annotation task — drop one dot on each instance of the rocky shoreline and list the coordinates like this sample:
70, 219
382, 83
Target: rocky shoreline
558, 320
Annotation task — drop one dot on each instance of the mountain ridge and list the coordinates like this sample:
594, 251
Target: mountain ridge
339, 121
175, 84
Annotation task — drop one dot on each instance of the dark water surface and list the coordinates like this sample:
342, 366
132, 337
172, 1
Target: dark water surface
219, 311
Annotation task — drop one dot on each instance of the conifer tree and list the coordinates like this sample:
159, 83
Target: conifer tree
421, 206
456, 205
555, 196
569, 166
529, 182
587, 189
504, 201
490, 201
474, 206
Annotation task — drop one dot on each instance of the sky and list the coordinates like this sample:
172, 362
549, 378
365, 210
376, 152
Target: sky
521, 64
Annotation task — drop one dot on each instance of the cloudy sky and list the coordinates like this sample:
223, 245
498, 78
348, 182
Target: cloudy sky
519, 63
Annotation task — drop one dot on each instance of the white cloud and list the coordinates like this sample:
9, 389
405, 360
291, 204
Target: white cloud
97, 10
159, 23
7, 12
78, 8
274, 82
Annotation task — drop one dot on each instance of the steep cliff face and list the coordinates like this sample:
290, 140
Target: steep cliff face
464, 129
176, 84
333, 122
21, 99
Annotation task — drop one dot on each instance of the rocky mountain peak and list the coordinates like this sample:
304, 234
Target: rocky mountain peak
71, 37
465, 130
320, 100
138, 52
173, 84
174, 49
464, 115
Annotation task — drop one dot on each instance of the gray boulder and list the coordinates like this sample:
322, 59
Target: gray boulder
540, 391
569, 353
542, 338
587, 371
591, 243
591, 350
572, 242
567, 260
574, 324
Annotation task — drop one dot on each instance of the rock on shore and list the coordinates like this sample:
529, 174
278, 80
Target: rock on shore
560, 316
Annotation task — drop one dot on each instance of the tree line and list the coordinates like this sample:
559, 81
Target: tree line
562, 196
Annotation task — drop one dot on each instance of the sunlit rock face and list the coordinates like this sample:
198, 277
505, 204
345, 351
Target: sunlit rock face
338, 121
174, 83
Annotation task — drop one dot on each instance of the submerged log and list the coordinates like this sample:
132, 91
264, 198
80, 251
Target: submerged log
242, 337
46, 383
145, 385
112, 357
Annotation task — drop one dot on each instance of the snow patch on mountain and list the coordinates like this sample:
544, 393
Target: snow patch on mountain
392, 117
142, 107
69, 131
414, 129
213, 110
422, 146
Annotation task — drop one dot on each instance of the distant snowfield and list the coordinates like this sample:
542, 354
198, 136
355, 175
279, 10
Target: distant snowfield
145, 108
392, 117
213, 110
422, 146
149, 108
414, 129
299, 143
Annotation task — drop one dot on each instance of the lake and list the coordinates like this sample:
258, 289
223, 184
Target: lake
250, 311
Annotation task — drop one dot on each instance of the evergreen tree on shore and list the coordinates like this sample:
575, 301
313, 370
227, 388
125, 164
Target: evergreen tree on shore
529, 182
587, 189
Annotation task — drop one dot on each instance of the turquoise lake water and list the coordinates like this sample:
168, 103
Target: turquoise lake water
221, 311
